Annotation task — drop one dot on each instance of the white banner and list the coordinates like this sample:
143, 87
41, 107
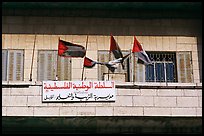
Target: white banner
61, 91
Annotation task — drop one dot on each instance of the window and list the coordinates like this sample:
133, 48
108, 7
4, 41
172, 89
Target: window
51, 65
12, 65
167, 67
103, 56
163, 68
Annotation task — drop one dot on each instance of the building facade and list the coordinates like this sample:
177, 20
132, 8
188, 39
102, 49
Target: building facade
170, 91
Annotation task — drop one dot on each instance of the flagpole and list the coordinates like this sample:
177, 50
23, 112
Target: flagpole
32, 59
85, 56
109, 56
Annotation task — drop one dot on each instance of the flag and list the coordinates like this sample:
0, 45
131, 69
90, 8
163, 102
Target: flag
68, 49
88, 63
142, 55
115, 49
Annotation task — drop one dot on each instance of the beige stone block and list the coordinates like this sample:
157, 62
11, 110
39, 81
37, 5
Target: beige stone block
3, 41
181, 47
15, 41
187, 102
128, 111
165, 101
170, 92
91, 73
187, 40
196, 76
145, 42
36, 101
6, 91
123, 101
4, 111
80, 39
129, 40
8, 41
47, 41
92, 38
76, 73
195, 55
107, 43
148, 92
200, 102
165, 43
195, 64
46, 111
32, 90
100, 104
190, 92
77, 63
77, 104
100, 40
172, 44
199, 112
19, 111
86, 111
130, 92
183, 112
92, 46
54, 104
14, 101
115, 77
54, 42
104, 111
143, 101
153, 111
153, 44
159, 42
199, 91
27, 73
121, 42
39, 42
71, 111
92, 55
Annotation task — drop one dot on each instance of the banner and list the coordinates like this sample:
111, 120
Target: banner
62, 91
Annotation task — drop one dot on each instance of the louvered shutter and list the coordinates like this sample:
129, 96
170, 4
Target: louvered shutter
63, 68
184, 67
139, 70
103, 56
41, 66
46, 65
15, 65
4, 65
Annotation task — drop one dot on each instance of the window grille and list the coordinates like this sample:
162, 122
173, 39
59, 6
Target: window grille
162, 70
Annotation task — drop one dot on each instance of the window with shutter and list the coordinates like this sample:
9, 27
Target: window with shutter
103, 56
51, 65
12, 65
184, 67
4, 65
162, 70
64, 68
46, 65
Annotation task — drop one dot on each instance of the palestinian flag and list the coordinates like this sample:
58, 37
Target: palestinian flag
115, 49
88, 63
67, 49
142, 55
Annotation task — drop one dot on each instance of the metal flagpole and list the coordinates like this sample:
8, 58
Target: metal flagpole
85, 56
32, 59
